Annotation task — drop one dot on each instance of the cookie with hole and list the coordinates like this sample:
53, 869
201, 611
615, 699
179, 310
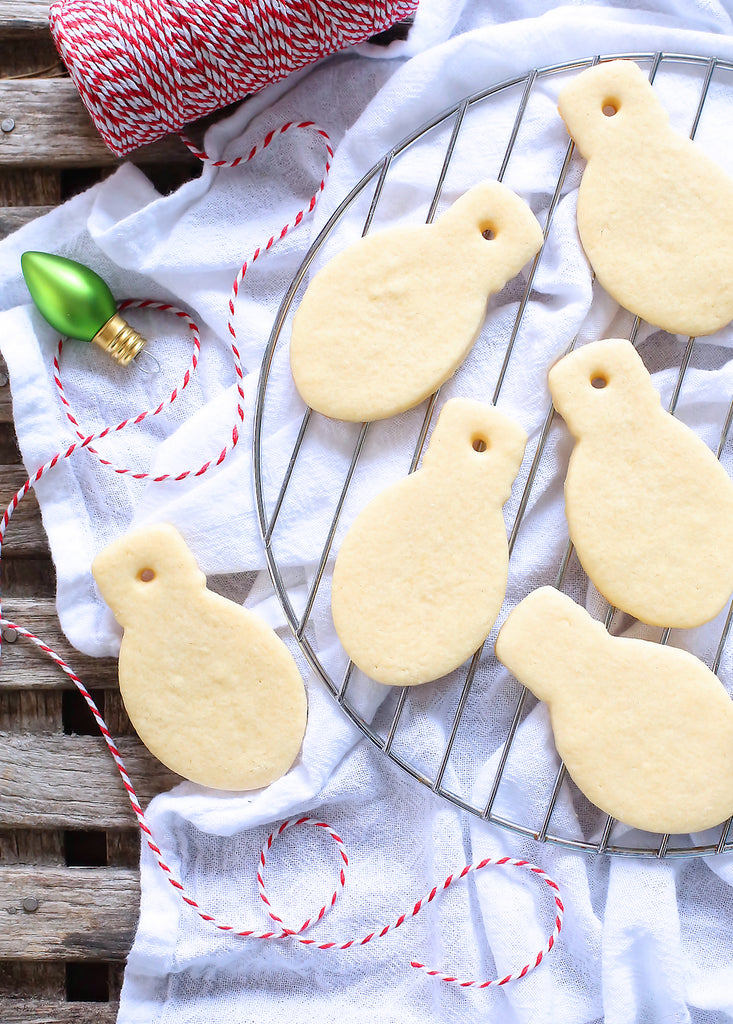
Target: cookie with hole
421, 574
649, 507
391, 317
210, 688
645, 729
655, 212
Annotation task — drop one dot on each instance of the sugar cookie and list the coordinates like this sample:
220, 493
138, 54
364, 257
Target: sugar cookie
212, 691
421, 574
387, 321
655, 213
649, 507
645, 730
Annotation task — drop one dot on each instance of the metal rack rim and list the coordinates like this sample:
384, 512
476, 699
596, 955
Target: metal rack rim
299, 624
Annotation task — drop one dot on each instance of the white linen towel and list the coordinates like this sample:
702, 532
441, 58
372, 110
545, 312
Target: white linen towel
642, 941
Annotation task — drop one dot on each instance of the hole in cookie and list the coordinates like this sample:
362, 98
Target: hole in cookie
146, 575
598, 381
610, 107
488, 233
479, 444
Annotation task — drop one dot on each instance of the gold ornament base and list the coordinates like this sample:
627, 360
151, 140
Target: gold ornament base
120, 340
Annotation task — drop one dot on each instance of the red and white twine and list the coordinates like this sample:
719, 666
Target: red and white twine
296, 934
85, 442
145, 68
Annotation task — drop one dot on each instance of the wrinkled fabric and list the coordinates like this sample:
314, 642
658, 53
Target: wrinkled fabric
643, 941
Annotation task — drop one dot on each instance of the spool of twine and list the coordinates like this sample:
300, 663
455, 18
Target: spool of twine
145, 68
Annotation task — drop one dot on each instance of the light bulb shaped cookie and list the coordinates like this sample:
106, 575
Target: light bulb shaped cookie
649, 507
655, 213
210, 688
645, 730
390, 318
422, 572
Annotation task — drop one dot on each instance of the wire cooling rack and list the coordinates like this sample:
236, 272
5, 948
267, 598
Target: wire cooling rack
384, 722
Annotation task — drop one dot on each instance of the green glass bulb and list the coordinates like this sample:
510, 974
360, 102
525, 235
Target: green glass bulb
74, 300
78, 304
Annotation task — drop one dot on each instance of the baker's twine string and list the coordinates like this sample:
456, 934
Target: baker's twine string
295, 934
145, 68
86, 442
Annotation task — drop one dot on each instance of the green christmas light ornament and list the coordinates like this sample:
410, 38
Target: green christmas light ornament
78, 304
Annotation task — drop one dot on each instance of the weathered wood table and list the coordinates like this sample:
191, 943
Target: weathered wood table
69, 843
69, 887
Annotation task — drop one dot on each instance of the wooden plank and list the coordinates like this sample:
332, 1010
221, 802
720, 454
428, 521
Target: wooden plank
14, 217
35, 1011
52, 127
57, 781
23, 15
6, 399
30, 711
81, 913
25, 537
24, 667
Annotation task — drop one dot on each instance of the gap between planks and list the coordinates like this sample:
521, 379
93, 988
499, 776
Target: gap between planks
36, 992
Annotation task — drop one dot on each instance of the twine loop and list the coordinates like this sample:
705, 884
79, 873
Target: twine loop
296, 934
326, 906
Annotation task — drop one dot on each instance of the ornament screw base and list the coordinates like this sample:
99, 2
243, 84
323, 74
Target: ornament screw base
120, 340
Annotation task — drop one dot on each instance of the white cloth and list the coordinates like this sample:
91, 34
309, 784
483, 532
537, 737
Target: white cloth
643, 941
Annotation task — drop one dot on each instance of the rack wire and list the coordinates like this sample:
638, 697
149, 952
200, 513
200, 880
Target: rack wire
595, 831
